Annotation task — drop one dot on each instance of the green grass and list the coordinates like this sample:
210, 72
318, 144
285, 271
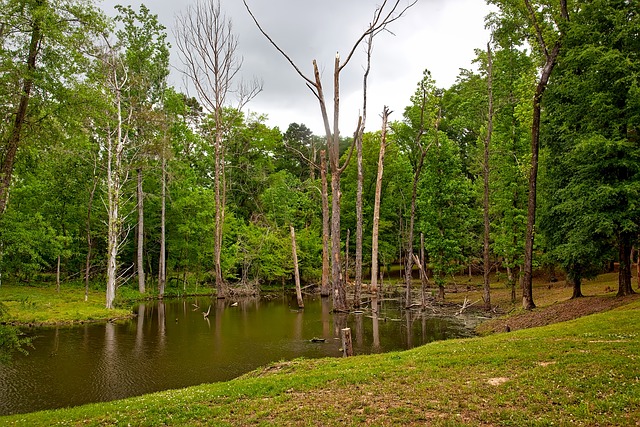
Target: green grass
583, 372
43, 305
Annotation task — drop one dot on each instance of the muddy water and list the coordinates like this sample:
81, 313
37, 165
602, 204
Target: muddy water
171, 345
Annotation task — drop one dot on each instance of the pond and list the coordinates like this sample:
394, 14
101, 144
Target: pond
171, 344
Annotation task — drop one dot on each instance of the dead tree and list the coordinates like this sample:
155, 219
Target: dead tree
208, 48
296, 271
376, 210
383, 16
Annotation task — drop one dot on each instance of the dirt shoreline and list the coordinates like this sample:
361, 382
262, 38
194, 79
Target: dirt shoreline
560, 311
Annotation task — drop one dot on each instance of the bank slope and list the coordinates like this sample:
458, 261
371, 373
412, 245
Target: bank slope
581, 372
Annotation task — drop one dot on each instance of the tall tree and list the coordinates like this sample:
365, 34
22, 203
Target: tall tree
546, 23
116, 141
419, 117
146, 54
485, 185
42, 48
208, 47
376, 210
382, 17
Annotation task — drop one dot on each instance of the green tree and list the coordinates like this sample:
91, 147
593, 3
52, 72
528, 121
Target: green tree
543, 23
42, 51
594, 118
146, 58
445, 209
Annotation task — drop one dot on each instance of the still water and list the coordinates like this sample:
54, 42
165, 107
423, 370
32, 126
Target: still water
171, 344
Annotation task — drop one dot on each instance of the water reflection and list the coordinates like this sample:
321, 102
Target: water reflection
171, 344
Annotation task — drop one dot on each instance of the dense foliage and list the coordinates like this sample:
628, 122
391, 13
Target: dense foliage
56, 213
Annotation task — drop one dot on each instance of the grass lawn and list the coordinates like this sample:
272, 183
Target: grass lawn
581, 372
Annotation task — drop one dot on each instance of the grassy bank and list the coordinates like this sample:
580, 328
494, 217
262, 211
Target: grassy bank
36, 305
41, 304
581, 372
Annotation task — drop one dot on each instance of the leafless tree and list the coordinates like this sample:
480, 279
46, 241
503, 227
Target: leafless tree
208, 47
117, 139
384, 15
376, 209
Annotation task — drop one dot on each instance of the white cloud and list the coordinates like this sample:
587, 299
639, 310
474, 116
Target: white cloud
439, 35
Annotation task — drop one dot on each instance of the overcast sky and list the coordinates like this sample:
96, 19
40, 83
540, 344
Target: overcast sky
438, 35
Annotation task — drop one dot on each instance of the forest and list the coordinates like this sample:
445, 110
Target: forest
528, 164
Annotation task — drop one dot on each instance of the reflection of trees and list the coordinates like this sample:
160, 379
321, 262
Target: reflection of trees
339, 323
139, 344
376, 332
359, 330
409, 325
326, 324
298, 325
162, 331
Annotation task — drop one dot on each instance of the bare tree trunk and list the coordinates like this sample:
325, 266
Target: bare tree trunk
15, 136
346, 257
162, 267
359, 225
89, 238
140, 254
219, 215
376, 204
324, 290
360, 182
576, 283
339, 292
296, 272
485, 174
423, 272
115, 180
550, 62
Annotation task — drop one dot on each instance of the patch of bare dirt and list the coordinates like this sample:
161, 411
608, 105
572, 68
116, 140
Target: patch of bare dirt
558, 312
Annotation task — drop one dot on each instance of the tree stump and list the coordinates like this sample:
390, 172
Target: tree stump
347, 346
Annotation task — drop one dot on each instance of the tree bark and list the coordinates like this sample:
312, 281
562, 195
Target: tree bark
346, 257
376, 205
485, 174
162, 267
423, 272
624, 272
577, 286
89, 237
359, 224
324, 290
140, 240
15, 136
296, 272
